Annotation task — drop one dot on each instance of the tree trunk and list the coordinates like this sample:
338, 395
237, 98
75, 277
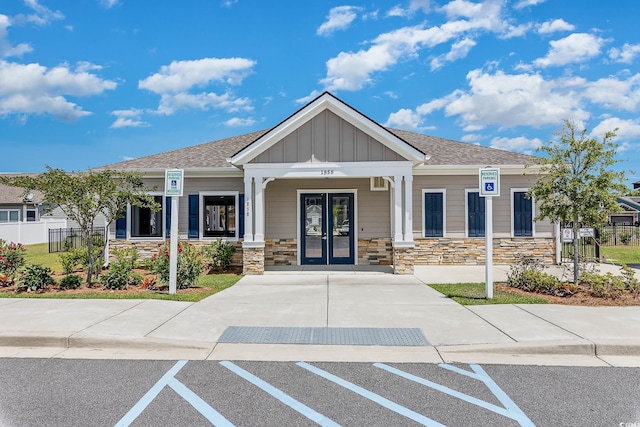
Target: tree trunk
576, 249
90, 256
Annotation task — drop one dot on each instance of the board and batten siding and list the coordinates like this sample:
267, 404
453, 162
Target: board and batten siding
327, 138
455, 200
281, 206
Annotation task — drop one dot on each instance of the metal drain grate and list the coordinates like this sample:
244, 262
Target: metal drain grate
328, 336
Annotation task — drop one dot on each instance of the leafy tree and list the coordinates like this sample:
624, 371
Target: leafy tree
577, 182
83, 196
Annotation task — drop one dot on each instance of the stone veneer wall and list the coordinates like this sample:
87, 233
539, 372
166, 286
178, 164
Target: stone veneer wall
148, 249
403, 260
376, 251
253, 261
471, 251
281, 252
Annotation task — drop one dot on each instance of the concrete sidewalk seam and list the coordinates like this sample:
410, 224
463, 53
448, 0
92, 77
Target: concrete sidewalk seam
108, 317
489, 323
166, 321
521, 307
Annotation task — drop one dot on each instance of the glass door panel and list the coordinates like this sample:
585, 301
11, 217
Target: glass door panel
341, 237
313, 228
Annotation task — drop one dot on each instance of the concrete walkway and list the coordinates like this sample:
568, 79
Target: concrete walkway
153, 329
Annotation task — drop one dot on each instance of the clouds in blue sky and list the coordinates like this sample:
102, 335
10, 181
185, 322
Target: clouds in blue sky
494, 72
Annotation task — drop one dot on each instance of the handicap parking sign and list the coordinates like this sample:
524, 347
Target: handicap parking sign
489, 182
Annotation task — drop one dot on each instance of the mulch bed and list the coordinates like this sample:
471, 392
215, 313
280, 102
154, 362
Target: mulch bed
583, 297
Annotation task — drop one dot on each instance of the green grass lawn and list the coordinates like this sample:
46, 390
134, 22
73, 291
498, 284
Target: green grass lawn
39, 254
620, 254
474, 294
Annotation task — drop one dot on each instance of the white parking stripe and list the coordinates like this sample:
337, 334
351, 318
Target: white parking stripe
512, 411
280, 395
168, 380
372, 396
153, 392
200, 405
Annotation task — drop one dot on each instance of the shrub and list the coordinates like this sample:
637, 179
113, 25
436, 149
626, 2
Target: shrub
70, 281
631, 283
11, 259
120, 271
528, 275
218, 255
71, 259
190, 264
35, 277
603, 285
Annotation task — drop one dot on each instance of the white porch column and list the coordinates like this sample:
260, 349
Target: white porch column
408, 208
258, 209
248, 209
397, 209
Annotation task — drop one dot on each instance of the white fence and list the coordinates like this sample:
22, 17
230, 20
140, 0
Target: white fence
29, 233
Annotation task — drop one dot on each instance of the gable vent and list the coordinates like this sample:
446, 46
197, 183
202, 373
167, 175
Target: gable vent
378, 183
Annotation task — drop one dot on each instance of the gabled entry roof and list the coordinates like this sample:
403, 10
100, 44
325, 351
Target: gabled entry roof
323, 103
215, 155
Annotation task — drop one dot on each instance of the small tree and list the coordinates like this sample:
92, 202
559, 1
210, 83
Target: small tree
577, 183
83, 196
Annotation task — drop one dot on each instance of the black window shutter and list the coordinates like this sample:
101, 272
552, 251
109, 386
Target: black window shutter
434, 215
194, 216
121, 226
167, 216
241, 218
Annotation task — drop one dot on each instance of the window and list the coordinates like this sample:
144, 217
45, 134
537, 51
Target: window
219, 216
145, 223
31, 215
434, 213
476, 216
9, 215
522, 214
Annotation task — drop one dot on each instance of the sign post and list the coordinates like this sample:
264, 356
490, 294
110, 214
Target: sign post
173, 180
489, 188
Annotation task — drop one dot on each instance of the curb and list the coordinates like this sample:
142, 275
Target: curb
576, 348
72, 342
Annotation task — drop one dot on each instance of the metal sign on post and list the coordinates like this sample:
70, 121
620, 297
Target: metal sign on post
173, 180
489, 188
489, 182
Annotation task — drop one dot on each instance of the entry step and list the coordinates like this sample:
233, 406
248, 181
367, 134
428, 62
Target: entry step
323, 336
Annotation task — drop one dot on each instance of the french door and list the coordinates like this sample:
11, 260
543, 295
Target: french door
326, 228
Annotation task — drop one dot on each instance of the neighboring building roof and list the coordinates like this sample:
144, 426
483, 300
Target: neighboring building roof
215, 154
15, 195
630, 203
636, 185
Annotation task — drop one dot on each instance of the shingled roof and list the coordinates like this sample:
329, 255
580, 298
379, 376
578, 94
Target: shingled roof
215, 154
15, 195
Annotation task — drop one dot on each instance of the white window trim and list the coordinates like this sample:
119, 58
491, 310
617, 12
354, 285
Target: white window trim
444, 211
8, 211
533, 212
466, 212
164, 225
201, 196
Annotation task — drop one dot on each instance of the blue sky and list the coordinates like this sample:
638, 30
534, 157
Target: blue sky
85, 83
